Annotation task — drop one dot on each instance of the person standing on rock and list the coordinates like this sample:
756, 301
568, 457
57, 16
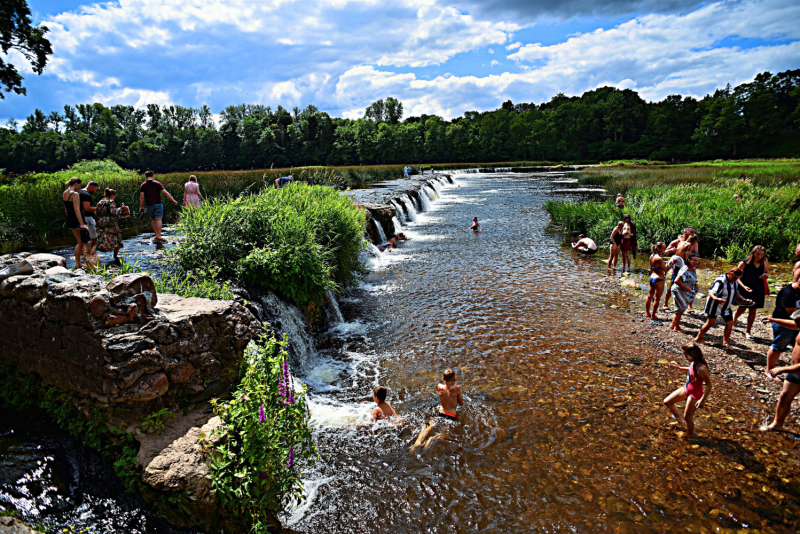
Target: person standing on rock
719, 304
786, 303
791, 383
150, 195
75, 222
752, 283
684, 290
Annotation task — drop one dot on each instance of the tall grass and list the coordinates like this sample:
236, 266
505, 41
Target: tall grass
766, 216
299, 241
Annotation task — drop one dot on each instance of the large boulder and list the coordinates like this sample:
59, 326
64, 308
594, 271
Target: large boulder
12, 525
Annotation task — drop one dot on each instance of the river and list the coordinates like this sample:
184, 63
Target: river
562, 429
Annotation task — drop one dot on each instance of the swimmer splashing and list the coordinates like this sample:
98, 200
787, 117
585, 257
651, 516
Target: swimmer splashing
450, 399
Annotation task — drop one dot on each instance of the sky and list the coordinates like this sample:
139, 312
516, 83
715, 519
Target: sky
439, 57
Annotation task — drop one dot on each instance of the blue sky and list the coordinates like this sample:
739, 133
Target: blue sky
437, 56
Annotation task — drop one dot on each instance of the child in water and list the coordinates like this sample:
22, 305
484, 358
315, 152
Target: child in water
384, 409
450, 399
476, 227
692, 392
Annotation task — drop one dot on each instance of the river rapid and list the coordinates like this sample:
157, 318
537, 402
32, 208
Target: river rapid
562, 429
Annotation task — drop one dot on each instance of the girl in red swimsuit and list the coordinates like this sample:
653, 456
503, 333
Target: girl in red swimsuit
693, 391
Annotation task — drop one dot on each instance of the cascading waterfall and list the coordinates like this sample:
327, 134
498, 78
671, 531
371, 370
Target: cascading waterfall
437, 186
415, 199
379, 229
399, 210
430, 192
333, 307
397, 226
423, 197
410, 209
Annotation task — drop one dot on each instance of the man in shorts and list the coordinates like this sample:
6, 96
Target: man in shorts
87, 205
150, 195
450, 399
786, 303
791, 383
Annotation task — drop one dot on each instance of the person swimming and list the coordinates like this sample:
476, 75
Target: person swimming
476, 227
384, 409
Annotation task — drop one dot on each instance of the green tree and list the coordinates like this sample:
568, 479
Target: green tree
16, 33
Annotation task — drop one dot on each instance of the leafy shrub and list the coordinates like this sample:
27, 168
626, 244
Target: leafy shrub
254, 469
299, 241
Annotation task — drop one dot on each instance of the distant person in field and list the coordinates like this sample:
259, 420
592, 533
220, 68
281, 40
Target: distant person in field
405, 172
620, 202
753, 285
150, 195
719, 303
384, 409
737, 198
791, 382
191, 193
280, 182
585, 245
693, 392
658, 276
476, 227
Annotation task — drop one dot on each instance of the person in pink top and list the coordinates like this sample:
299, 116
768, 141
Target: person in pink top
692, 392
191, 193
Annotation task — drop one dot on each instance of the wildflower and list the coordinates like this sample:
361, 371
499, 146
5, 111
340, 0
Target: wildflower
290, 462
242, 400
262, 415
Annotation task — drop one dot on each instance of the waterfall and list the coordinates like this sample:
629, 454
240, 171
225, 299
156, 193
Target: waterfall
379, 229
437, 186
410, 209
400, 214
333, 308
416, 200
430, 192
397, 226
423, 197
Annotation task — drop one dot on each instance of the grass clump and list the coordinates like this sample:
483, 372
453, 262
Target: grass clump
255, 470
299, 241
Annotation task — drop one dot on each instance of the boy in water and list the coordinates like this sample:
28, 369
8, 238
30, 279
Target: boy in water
384, 409
476, 227
450, 399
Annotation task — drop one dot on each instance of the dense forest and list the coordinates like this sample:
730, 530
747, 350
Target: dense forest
760, 118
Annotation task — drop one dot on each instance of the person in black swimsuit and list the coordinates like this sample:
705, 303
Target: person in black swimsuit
75, 222
658, 275
752, 284
616, 243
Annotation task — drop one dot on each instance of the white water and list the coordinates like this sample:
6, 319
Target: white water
399, 210
333, 306
426, 203
397, 226
437, 186
379, 228
430, 192
412, 211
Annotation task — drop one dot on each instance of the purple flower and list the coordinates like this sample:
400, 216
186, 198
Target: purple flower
290, 463
242, 400
262, 415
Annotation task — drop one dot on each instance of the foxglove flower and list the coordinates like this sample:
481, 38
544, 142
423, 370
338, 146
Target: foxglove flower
290, 462
262, 415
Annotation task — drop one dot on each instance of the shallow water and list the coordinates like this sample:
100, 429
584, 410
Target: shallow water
562, 431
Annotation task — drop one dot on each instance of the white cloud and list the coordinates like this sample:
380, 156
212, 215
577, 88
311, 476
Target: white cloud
513, 46
133, 97
494, 62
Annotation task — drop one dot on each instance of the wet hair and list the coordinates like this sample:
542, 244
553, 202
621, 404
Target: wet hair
92, 184
108, 193
449, 375
654, 248
193, 178
693, 351
148, 174
74, 180
757, 248
380, 393
693, 238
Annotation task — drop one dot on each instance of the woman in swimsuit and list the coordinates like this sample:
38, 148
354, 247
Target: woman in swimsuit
658, 275
75, 222
626, 247
616, 241
693, 391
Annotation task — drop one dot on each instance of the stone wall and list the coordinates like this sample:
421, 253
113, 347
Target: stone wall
118, 344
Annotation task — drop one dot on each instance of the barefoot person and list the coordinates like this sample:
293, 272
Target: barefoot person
150, 195
658, 276
719, 304
756, 271
693, 391
450, 399
384, 409
616, 243
75, 222
786, 303
684, 290
585, 245
791, 382
676, 262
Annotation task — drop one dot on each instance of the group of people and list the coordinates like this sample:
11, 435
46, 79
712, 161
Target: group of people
744, 285
96, 227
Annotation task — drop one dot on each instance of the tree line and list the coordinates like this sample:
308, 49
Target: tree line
756, 119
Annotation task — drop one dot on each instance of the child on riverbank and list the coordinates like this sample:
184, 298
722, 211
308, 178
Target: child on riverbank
693, 391
384, 409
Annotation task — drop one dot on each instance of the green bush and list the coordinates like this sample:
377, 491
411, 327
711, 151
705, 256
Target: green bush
254, 469
299, 241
